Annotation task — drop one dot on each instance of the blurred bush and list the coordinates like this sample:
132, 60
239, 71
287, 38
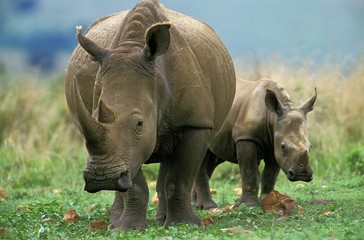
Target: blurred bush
355, 159
40, 146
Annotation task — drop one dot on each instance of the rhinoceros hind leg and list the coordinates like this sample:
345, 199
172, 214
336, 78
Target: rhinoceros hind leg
201, 191
160, 215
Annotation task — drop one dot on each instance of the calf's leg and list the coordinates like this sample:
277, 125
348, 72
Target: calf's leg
269, 176
248, 160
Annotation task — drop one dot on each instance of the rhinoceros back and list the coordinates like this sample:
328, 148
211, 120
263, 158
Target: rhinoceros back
199, 72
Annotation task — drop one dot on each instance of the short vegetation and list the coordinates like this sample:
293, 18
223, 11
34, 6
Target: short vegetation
42, 155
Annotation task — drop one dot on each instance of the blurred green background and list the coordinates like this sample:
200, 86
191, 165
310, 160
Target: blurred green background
302, 44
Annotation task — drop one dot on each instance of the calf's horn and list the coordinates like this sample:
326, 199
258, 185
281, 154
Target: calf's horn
308, 105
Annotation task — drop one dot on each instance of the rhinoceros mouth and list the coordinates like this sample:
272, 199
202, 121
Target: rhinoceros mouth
304, 178
293, 176
121, 183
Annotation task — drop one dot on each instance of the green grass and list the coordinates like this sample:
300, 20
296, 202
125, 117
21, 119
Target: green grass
42, 156
341, 218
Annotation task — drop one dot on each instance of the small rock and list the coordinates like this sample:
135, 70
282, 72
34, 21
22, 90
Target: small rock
2, 193
97, 225
207, 221
71, 216
280, 203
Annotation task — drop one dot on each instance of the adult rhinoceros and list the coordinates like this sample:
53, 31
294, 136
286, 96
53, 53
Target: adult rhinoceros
156, 88
262, 124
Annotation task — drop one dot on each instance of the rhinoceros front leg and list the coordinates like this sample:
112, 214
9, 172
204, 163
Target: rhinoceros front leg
135, 206
182, 170
116, 209
269, 176
201, 191
247, 155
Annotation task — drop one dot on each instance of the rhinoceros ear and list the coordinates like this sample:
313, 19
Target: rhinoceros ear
97, 52
157, 39
308, 105
272, 103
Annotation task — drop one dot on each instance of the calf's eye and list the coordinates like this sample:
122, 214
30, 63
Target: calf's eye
283, 149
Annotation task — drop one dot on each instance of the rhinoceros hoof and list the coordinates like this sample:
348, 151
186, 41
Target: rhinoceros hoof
128, 225
160, 217
115, 215
250, 201
206, 205
194, 221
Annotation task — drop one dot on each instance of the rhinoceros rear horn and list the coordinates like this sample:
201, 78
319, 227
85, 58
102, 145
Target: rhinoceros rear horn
308, 105
97, 52
92, 130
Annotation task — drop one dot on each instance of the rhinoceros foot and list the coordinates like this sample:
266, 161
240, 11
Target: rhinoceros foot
249, 200
160, 217
191, 219
115, 215
206, 205
129, 223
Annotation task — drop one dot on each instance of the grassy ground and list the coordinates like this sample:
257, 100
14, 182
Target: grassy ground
42, 156
37, 213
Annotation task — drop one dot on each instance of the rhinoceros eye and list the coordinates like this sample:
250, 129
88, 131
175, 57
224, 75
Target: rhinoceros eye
139, 126
140, 123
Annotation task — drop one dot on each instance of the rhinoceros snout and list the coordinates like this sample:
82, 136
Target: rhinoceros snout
121, 183
305, 175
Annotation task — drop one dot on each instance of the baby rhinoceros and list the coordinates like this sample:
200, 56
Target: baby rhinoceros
262, 124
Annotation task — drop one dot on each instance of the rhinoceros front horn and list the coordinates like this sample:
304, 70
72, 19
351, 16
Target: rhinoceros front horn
92, 130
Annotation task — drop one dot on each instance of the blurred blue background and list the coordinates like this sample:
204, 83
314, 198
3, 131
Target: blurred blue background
40, 34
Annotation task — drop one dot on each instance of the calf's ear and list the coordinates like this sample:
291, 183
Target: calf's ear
272, 103
157, 39
308, 105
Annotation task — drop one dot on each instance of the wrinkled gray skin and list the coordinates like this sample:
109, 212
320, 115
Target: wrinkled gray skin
157, 87
262, 124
